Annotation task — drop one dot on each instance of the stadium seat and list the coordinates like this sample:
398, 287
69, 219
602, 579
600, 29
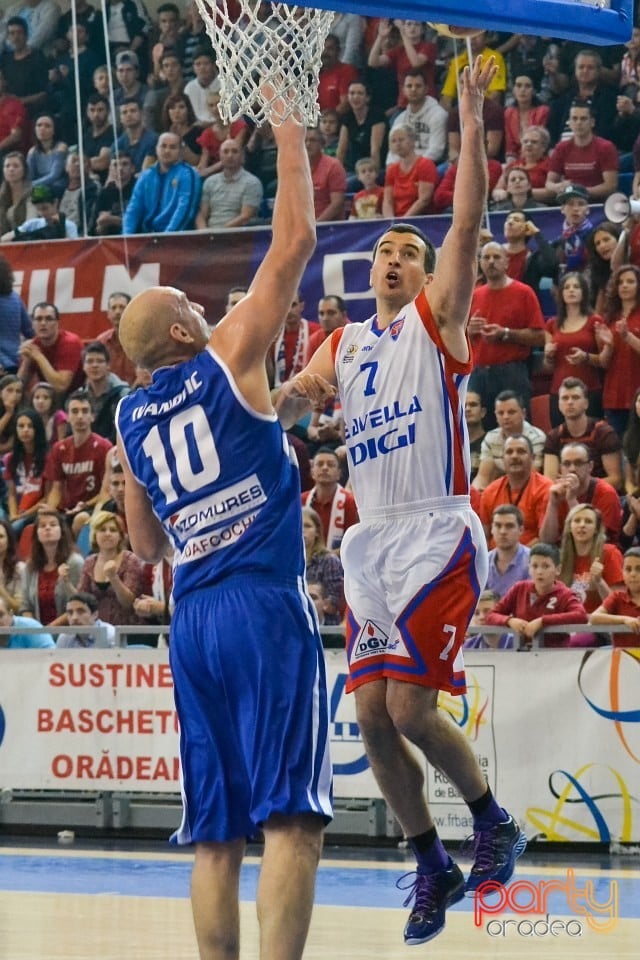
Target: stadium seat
539, 412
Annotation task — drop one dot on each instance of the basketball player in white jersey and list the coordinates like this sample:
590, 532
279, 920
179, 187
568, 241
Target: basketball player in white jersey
415, 564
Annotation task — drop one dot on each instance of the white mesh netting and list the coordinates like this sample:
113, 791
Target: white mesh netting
272, 43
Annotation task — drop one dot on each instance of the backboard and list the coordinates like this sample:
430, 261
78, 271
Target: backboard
589, 21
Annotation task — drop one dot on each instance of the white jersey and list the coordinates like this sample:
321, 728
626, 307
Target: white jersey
402, 396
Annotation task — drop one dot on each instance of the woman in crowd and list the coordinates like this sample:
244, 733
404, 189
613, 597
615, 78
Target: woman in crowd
601, 242
24, 470
526, 112
362, 132
571, 346
11, 391
43, 401
47, 157
11, 569
213, 136
621, 341
534, 158
53, 570
518, 191
111, 573
323, 566
178, 116
588, 564
408, 184
15, 193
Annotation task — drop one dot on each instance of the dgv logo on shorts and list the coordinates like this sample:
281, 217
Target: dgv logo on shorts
371, 642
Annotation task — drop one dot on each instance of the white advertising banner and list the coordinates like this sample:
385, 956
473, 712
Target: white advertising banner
557, 733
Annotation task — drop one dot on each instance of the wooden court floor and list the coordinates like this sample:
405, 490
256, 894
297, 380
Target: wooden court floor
82, 903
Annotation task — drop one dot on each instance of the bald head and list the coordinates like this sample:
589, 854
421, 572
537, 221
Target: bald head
161, 327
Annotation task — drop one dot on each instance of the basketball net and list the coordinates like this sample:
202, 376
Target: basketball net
269, 45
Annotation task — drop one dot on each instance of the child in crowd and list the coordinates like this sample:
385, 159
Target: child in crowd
623, 606
367, 203
540, 602
329, 125
492, 641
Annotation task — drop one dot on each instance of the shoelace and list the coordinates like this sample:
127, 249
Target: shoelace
481, 846
420, 887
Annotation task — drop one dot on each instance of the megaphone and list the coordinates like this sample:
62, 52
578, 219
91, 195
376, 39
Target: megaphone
619, 206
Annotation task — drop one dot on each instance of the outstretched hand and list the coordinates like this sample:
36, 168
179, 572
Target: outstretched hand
474, 83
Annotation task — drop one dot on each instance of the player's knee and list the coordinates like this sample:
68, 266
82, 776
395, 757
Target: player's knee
302, 833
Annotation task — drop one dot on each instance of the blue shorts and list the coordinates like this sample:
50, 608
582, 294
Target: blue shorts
250, 690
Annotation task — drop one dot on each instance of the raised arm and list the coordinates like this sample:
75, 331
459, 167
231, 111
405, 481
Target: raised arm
246, 333
455, 275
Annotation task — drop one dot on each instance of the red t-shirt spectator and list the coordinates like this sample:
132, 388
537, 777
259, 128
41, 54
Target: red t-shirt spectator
79, 470
64, 354
514, 306
611, 574
558, 606
211, 142
333, 84
405, 184
443, 196
601, 495
328, 176
584, 165
620, 604
399, 61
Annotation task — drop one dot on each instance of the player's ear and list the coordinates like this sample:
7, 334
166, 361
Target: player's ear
180, 333
429, 279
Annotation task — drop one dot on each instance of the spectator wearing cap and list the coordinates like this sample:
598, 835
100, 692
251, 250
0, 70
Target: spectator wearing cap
127, 74
571, 246
166, 197
583, 159
49, 223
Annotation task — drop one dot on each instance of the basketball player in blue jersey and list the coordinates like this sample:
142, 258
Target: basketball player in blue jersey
416, 563
208, 467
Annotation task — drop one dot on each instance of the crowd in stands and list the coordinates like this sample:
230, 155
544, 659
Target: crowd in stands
153, 155
558, 491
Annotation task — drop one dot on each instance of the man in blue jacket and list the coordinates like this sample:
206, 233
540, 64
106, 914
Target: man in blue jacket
166, 197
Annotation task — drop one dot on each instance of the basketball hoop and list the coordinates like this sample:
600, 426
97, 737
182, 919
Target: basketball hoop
270, 44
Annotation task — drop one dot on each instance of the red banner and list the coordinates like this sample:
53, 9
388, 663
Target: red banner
79, 275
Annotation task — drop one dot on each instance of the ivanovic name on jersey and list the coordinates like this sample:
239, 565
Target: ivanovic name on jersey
403, 398
221, 477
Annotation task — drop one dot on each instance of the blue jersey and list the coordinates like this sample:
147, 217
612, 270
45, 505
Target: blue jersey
221, 477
